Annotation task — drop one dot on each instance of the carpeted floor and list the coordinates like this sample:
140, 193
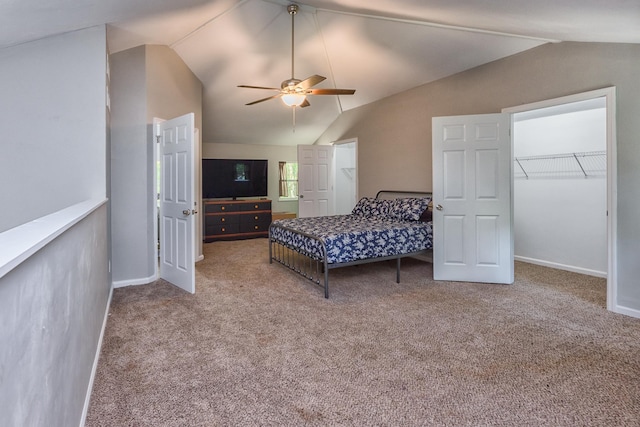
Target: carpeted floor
259, 345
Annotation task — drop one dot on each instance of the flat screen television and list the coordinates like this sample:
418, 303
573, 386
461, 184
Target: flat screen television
232, 178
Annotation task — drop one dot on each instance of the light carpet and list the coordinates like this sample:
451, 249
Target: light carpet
259, 345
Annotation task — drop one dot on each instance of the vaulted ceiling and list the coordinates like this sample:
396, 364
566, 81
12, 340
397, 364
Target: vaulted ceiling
377, 47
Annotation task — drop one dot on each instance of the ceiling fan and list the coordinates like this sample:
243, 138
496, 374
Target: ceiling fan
294, 92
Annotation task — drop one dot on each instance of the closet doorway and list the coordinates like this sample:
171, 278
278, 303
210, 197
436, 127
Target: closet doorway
563, 184
559, 186
345, 171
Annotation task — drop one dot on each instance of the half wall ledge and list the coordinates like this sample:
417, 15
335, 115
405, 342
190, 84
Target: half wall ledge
19, 243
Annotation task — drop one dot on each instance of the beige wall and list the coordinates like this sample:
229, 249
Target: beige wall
273, 153
394, 134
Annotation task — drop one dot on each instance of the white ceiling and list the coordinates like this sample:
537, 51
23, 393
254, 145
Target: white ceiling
378, 47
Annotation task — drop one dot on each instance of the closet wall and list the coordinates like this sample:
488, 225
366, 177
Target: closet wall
560, 187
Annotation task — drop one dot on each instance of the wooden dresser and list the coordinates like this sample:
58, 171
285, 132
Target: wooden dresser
236, 219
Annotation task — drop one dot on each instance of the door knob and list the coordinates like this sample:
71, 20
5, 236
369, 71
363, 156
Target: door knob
439, 207
186, 212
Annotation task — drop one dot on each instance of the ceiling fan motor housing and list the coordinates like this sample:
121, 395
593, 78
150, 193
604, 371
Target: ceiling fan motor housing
291, 86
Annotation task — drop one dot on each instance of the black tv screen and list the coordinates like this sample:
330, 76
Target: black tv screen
224, 178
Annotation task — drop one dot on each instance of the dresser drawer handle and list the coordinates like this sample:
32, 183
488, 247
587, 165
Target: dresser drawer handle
221, 208
256, 227
222, 220
224, 229
255, 217
256, 206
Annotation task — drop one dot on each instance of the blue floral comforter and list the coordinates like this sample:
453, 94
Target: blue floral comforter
352, 237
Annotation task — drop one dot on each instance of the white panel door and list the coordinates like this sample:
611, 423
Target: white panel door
472, 199
177, 262
315, 189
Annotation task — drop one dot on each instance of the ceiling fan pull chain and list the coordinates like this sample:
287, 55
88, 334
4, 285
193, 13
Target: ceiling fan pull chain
294, 119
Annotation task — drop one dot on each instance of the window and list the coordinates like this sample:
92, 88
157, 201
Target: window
288, 180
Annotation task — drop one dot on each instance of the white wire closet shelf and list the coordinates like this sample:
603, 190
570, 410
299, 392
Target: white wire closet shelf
590, 164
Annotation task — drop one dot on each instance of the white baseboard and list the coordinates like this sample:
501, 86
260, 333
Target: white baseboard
626, 311
94, 368
134, 282
559, 266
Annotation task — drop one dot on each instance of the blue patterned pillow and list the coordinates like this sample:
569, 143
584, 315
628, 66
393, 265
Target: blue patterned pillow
380, 208
370, 207
362, 208
408, 209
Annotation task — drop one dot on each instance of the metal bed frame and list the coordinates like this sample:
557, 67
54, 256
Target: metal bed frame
315, 268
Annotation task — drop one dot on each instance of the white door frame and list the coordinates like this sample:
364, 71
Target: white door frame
197, 173
609, 94
156, 195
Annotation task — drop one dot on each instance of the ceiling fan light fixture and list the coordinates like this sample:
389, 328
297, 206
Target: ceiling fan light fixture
293, 99
293, 92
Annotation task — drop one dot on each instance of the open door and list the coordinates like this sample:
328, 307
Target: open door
177, 263
472, 199
315, 189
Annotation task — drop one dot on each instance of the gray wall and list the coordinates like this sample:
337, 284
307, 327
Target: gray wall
53, 95
52, 305
146, 82
394, 134
52, 308
130, 239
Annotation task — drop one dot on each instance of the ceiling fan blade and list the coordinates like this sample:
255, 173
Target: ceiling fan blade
305, 103
311, 81
259, 87
331, 91
265, 99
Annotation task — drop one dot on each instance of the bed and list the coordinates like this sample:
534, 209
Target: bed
391, 226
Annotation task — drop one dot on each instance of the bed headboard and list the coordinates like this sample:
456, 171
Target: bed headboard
397, 194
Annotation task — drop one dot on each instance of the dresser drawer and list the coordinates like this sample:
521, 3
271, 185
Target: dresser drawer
221, 229
258, 205
223, 219
221, 207
254, 218
254, 227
